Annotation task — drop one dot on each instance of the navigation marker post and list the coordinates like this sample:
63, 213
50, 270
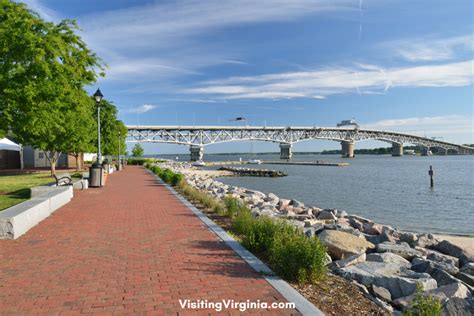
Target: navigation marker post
430, 172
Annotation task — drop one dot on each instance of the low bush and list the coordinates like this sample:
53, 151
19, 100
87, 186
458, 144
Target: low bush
296, 257
137, 161
423, 305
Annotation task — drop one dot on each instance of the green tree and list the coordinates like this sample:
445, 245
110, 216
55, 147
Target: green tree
112, 130
43, 69
137, 150
81, 127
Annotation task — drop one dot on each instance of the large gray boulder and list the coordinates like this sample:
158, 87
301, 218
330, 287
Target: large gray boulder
451, 249
439, 257
467, 278
388, 257
427, 266
443, 293
326, 215
458, 307
468, 268
426, 240
443, 277
396, 279
351, 260
296, 203
341, 245
402, 249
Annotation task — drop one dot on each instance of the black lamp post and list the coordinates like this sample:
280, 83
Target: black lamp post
98, 97
119, 164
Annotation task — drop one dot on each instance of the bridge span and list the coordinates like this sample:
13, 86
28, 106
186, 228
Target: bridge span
199, 136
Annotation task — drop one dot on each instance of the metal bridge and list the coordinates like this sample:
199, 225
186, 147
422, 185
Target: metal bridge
199, 136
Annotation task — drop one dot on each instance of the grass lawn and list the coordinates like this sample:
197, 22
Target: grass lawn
15, 189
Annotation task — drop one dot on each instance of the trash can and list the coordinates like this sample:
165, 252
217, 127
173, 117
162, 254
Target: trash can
96, 176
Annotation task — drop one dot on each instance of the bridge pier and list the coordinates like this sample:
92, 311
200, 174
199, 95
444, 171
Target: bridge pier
197, 152
397, 150
347, 149
285, 151
425, 151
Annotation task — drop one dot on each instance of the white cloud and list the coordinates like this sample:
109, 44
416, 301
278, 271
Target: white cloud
450, 127
142, 108
170, 32
337, 80
431, 49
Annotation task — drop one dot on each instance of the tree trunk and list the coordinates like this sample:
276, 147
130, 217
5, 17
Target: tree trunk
77, 162
52, 161
53, 167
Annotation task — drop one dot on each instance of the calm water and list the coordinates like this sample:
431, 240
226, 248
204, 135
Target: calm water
389, 190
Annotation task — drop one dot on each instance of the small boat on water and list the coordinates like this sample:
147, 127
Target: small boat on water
254, 162
199, 163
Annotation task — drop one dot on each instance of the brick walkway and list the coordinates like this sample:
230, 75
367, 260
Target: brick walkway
129, 247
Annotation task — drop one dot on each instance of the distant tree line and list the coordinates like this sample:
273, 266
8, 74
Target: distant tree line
44, 69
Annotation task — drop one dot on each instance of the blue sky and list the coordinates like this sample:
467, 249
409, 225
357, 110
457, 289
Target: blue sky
394, 65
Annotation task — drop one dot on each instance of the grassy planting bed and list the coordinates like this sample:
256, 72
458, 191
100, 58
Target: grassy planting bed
293, 256
15, 189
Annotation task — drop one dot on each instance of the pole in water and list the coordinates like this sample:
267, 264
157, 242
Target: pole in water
430, 172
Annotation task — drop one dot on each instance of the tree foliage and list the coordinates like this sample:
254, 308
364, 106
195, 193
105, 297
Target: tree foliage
112, 130
44, 68
137, 150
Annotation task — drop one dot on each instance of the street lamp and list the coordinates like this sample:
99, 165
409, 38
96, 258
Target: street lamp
119, 164
98, 97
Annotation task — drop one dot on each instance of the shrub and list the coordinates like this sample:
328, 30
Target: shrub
137, 161
166, 175
423, 305
298, 258
260, 234
176, 179
242, 222
232, 205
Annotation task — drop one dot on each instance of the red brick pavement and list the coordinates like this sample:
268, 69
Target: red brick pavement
131, 247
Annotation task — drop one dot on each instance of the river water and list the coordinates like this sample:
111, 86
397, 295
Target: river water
388, 190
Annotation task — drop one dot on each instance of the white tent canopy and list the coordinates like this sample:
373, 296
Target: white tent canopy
6, 144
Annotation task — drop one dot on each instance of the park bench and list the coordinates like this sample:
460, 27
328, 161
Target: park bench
63, 179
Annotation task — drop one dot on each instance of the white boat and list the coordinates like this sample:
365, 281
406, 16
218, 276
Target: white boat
254, 161
199, 163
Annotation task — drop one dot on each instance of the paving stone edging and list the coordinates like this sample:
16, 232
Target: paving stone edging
18, 219
304, 306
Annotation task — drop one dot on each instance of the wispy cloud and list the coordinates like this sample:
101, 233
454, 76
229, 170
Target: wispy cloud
45, 12
435, 126
337, 80
430, 48
171, 32
142, 108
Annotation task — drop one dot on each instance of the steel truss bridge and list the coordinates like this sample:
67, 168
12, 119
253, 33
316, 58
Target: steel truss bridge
199, 136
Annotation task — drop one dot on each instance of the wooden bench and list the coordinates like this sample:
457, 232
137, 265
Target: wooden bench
63, 179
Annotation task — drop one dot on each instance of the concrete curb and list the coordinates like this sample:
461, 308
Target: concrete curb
18, 219
304, 306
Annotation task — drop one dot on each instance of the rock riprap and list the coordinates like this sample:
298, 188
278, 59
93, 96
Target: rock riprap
387, 261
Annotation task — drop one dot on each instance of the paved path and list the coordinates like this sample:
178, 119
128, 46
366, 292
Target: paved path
127, 248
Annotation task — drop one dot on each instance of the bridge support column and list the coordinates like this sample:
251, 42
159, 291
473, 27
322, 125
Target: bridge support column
397, 149
197, 152
347, 149
285, 151
425, 151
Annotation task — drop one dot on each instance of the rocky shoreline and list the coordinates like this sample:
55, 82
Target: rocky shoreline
386, 263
